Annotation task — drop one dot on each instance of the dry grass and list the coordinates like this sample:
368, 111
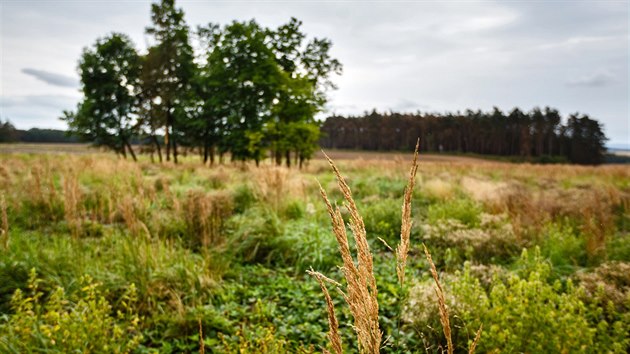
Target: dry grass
72, 195
333, 324
202, 345
205, 215
4, 227
361, 291
405, 230
439, 292
473, 346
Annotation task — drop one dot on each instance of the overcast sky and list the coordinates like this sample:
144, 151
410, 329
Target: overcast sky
398, 55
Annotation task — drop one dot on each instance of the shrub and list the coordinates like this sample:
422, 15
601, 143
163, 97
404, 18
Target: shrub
454, 242
61, 324
382, 219
256, 237
563, 247
464, 210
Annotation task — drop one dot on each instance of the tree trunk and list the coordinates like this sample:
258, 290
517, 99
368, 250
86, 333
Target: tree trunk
211, 155
167, 142
174, 149
206, 149
157, 146
278, 157
288, 158
133, 155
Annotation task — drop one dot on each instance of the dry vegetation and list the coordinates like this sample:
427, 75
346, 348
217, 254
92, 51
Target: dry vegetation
191, 258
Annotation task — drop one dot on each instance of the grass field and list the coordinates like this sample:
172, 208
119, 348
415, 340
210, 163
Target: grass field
99, 254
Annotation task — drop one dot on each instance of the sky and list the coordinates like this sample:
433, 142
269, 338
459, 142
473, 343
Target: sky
404, 56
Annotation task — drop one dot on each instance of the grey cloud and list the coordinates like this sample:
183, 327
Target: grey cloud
598, 79
52, 78
406, 105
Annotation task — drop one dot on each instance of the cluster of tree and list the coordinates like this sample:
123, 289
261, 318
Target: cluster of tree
246, 91
537, 133
9, 134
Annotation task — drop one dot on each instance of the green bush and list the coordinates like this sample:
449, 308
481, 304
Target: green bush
244, 198
382, 218
564, 247
464, 210
61, 323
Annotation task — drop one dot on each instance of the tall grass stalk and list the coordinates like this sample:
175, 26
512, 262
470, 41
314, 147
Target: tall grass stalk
333, 324
71, 195
361, 292
473, 346
4, 227
439, 292
405, 230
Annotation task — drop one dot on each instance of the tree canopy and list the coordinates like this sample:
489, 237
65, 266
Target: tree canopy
247, 91
538, 135
107, 116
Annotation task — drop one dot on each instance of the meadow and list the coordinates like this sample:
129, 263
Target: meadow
100, 254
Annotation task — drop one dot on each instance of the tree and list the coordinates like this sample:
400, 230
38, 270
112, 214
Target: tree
169, 71
586, 140
261, 82
309, 67
107, 116
8, 133
243, 79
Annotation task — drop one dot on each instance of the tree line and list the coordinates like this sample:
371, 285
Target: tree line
540, 134
244, 90
10, 134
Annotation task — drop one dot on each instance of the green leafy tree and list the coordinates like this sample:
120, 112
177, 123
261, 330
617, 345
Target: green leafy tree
309, 68
259, 84
169, 72
242, 80
107, 116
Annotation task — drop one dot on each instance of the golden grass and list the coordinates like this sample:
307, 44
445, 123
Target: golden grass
72, 196
439, 292
473, 346
405, 230
333, 324
4, 227
202, 345
361, 291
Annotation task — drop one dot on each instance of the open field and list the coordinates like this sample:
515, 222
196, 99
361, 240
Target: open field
99, 254
45, 148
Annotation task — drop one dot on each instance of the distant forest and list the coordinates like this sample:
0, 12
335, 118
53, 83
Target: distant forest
540, 135
9, 134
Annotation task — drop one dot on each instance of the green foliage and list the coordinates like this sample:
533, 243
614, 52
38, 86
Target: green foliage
529, 315
109, 77
383, 219
244, 198
61, 323
563, 247
464, 210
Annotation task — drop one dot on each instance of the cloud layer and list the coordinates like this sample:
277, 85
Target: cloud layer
51, 78
400, 55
